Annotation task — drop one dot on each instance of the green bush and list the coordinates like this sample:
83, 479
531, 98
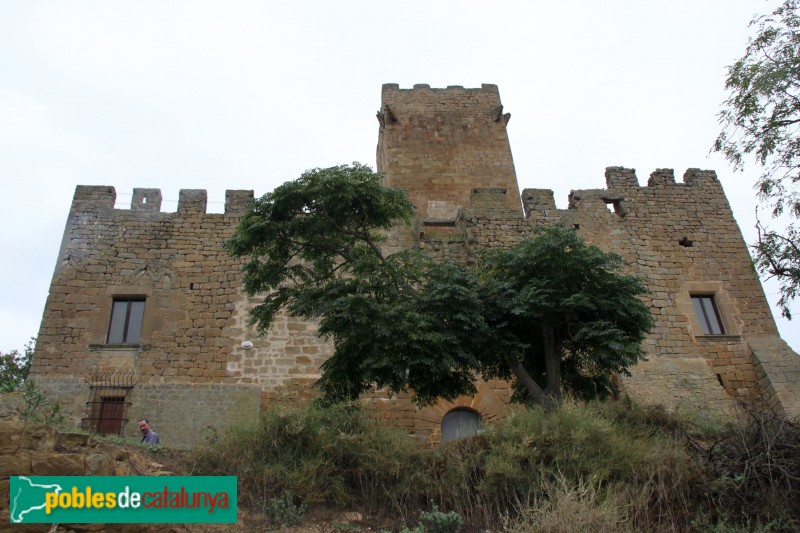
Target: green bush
283, 510
435, 521
331, 454
338, 455
582, 467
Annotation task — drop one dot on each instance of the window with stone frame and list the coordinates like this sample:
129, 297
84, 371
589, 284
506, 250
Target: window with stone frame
708, 314
125, 326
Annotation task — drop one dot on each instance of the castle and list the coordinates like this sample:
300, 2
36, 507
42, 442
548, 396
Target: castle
146, 316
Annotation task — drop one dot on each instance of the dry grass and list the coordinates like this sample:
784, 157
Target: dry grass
583, 467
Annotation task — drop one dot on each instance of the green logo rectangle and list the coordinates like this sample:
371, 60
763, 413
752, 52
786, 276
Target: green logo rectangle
123, 499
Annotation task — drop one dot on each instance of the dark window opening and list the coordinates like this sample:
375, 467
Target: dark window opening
615, 206
108, 404
708, 315
112, 414
125, 326
460, 423
685, 242
719, 378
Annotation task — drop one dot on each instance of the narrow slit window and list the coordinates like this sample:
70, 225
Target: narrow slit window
708, 315
126, 321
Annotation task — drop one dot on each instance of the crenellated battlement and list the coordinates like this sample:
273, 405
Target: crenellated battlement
625, 178
191, 202
399, 104
622, 186
423, 90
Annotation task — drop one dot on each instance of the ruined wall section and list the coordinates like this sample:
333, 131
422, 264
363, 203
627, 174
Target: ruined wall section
439, 144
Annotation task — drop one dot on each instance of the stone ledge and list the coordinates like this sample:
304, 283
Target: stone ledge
718, 338
119, 347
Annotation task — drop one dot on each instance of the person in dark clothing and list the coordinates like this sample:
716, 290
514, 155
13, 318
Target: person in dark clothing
148, 435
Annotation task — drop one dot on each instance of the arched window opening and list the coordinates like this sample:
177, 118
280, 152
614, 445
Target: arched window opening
460, 423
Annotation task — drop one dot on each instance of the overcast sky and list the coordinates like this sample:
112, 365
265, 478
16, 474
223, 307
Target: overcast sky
247, 95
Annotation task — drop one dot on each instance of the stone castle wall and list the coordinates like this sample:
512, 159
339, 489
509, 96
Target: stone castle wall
190, 359
682, 240
194, 368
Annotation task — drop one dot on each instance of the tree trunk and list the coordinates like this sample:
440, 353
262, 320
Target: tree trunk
530, 385
552, 361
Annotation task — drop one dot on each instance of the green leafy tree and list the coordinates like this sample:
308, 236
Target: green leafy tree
14, 367
552, 312
564, 312
761, 118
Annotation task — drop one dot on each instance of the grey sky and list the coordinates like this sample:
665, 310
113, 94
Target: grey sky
247, 95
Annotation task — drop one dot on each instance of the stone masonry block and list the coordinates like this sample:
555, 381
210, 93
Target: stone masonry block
17, 464
57, 464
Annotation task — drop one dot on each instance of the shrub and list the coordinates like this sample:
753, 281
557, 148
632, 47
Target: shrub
338, 455
756, 471
435, 521
571, 507
283, 510
331, 454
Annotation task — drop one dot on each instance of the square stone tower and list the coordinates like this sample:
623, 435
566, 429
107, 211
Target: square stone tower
440, 144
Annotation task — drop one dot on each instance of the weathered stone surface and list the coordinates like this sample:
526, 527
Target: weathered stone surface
72, 439
57, 464
122, 469
99, 464
4, 488
16, 464
778, 373
10, 435
38, 437
12, 404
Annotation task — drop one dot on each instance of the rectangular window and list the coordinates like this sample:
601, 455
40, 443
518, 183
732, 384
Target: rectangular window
109, 399
112, 415
126, 321
708, 315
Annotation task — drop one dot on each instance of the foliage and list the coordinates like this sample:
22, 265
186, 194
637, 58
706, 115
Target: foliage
756, 468
552, 312
14, 367
34, 401
336, 454
331, 454
283, 510
761, 118
562, 309
778, 255
305, 231
572, 507
436, 521
584, 466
